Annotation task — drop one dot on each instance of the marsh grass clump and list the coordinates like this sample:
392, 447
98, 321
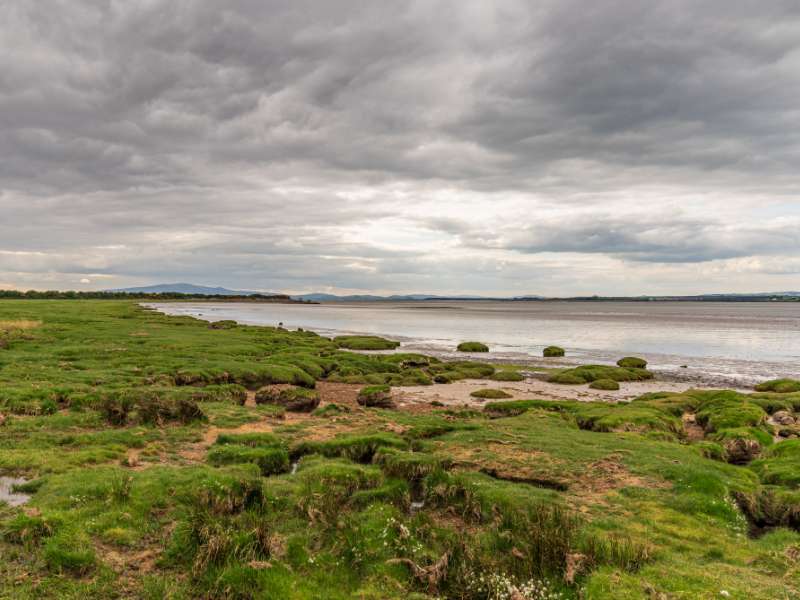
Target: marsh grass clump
506, 375
358, 448
365, 342
553, 352
604, 384
68, 556
490, 394
149, 408
270, 460
780, 464
254, 440
588, 373
293, 399
376, 396
472, 347
29, 530
779, 386
223, 324
330, 410
632, 362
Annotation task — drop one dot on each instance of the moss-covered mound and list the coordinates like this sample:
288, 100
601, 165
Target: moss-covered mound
490, 394
376, 396
604, 384
472, 347
506, 375
293, 399
365, 342
552, 352
632, 362
589, 373
270, 460
780, 386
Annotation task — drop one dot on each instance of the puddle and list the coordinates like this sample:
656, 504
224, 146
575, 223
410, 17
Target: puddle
294, 467
10, 497
415, 506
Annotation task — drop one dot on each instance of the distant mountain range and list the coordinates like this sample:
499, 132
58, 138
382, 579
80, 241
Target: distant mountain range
188, 288
185, 288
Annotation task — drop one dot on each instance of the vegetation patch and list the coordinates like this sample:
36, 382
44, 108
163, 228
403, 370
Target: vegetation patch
365, 342
588, 373
779, 386
472, 347
490, 394
553, 352
270, 460
604, 384
632, 362
505, 375
293, 399
376, 396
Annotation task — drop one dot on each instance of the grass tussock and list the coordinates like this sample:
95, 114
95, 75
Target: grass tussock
472, 347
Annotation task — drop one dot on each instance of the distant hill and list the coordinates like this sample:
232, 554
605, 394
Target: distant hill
319, 297
184, 288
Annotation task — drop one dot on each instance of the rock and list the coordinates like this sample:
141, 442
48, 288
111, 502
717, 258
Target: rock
783, 417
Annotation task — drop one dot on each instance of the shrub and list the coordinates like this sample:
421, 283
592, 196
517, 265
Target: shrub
604, 384
472, 347
292, 399
553, 351
376, 396
270, 460
780, 386
490, 394
632, 362
365, 342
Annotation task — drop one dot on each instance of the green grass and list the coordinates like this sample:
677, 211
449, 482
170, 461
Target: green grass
490, 394
588, 373
604, 384
511, 490
365, 342
472, 347
553, 352
780, 386
632, 362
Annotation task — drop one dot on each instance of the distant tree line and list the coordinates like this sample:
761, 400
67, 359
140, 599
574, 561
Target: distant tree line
74, 295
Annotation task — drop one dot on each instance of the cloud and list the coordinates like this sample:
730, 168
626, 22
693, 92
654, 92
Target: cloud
433, 146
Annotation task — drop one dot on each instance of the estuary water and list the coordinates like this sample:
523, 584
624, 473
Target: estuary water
713, 342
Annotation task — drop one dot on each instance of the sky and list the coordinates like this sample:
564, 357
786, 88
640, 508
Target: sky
557, 147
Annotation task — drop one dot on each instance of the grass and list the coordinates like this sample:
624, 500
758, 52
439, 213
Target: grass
604, 384
165, 505
632, 362
472, 347
365, 342
780, 386
490, 394
553, 351
589, 373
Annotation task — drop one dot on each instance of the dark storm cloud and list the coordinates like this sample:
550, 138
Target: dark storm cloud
292, 141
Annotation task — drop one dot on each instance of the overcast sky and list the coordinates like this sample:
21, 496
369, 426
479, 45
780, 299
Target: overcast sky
552, 147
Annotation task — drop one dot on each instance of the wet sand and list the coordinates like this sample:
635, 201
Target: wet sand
458, 392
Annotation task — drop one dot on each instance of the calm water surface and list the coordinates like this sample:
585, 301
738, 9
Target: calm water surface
741, 342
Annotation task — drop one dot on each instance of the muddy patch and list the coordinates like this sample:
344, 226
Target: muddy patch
7, 493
